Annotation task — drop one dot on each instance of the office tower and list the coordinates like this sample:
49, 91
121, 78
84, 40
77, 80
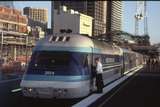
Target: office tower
113, 20
114, 16
36, 17
37, 14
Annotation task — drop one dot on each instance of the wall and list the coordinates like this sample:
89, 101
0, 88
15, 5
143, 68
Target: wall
66, 21
85, 24
78, 23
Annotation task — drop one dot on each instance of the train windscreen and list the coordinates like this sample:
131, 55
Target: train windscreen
61, 63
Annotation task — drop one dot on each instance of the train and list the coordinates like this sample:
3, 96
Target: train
61, 66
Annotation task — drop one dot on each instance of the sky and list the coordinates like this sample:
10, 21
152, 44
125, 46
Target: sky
128, 21
153, 16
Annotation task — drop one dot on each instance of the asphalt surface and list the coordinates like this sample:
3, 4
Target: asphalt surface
5, 91
141, 90
17, 100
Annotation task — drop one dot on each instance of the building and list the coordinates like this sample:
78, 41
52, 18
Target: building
36, 14
36, 32
13, 33
34, 24
107, 15
95, 9
113, 19
12, 20
8, 4
36, 17
69, 19
114, 16
142, 40
80, 6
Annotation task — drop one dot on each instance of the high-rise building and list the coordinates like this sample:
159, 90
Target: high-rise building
36, 17
37, 14
95, 9
114, 20
7, 4
114, 16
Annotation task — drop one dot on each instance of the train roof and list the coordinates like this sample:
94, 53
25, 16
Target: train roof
128, 51
75, 43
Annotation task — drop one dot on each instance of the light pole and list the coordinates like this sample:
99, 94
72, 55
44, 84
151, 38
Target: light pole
1, 51
26, 49
1, 43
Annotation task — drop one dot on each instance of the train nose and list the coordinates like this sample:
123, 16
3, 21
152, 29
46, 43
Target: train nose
60, 92
29, 92
45, 92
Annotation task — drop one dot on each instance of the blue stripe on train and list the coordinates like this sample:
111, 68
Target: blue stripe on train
72, 49
56, 78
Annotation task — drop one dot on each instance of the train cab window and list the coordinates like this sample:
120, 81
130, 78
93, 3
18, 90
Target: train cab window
49, 60
61, 63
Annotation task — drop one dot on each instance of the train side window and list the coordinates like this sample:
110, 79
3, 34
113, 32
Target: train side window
103, 59
109, 60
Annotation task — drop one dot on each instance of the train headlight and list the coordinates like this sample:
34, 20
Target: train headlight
30, 89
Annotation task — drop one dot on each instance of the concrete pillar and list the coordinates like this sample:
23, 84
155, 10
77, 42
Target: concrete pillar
15, 53
1, 44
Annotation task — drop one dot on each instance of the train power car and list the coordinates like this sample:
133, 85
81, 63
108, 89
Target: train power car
61, 66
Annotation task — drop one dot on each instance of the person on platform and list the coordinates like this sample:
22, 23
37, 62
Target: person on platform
99, 78
156, 65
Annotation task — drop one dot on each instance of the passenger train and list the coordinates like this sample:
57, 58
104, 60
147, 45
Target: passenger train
61, 66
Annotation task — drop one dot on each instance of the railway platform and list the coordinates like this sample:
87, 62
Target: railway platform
141, 90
